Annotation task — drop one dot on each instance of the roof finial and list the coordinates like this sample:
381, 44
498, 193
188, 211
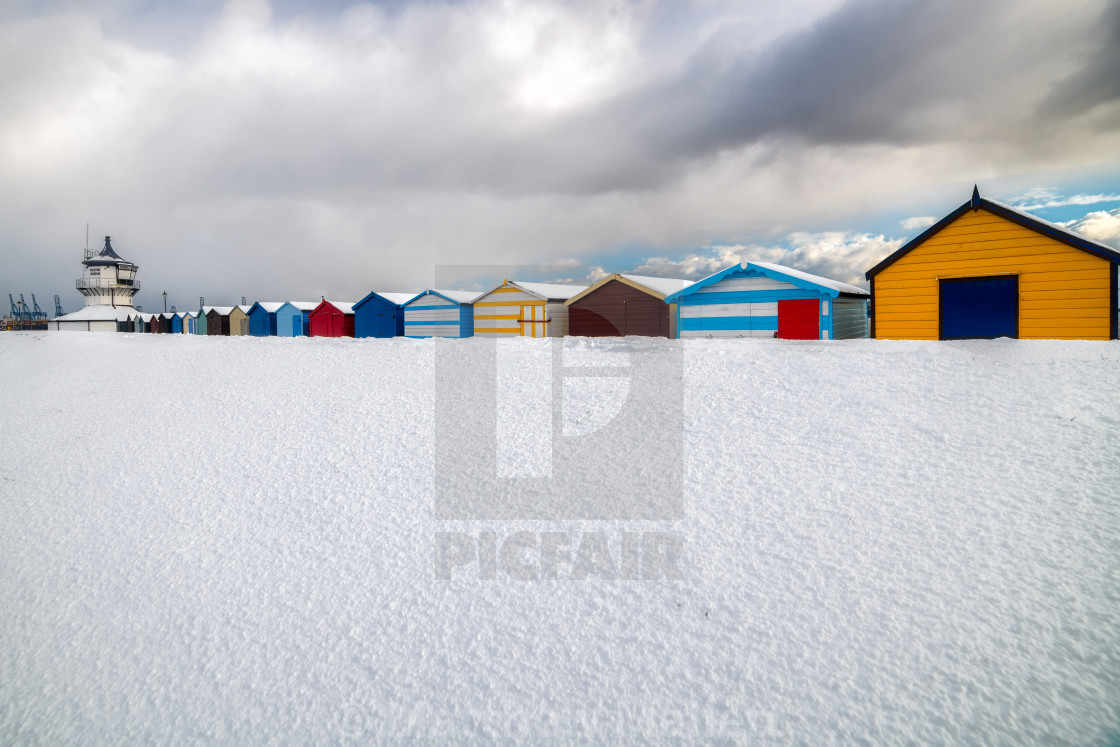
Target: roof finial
975, 197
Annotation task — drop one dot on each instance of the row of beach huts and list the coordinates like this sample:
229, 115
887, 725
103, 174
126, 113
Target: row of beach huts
752, 299
985, 270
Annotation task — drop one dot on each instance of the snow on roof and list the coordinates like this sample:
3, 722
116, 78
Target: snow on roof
244, 308
835, 285
99, 313
456, 296
1048, 224
551, 291
1015, 215
304, 305
346, 307
107, 256
270, 306
223, 310
664, 286
400, 299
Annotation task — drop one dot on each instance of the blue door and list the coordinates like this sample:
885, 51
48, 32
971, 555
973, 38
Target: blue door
386, 324
297, 325
980, 307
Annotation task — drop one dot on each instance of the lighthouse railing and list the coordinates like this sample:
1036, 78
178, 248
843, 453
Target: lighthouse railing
81, 283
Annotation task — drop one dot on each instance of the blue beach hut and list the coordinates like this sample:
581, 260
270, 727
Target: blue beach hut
293, 318
262, 318
440, 313
760, 299
381, 314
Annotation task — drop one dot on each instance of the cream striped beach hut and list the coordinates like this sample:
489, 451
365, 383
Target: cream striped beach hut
517, 309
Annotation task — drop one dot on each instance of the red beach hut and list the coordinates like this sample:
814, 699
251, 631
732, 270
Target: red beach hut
332, 319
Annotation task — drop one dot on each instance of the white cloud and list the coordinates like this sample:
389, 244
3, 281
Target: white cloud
918, 223
1043, 197
835, 255
595, 274
1101, 225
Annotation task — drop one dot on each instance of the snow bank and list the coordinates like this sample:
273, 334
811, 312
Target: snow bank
230, 539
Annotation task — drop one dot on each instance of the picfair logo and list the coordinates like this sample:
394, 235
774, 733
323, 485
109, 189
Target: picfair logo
556, 428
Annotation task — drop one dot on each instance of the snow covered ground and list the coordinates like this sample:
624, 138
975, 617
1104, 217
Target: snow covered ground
233, 540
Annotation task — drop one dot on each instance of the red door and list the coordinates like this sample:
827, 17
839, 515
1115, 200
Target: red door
799, 320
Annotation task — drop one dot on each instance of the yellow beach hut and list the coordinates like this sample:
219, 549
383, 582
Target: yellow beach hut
988, 270
516, 309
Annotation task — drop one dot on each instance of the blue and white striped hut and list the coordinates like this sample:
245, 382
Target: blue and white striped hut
440, 313
381, 314
292, 318
262, 318
759, 299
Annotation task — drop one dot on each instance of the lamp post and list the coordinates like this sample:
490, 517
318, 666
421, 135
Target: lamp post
165, 302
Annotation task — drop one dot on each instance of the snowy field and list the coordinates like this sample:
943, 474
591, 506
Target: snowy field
232, 540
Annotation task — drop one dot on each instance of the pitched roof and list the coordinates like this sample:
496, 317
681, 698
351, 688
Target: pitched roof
835, 285
99, 313
658, 287
303, 305
801, 279
270, 306
397, 299
400, 299
1007, 212
459, 297
107, 256
664, 286
346, 307
550, 291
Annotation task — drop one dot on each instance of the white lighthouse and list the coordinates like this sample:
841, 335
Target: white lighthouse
108, 284
109, 280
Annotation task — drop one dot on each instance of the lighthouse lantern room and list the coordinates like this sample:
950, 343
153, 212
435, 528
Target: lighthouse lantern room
109, 279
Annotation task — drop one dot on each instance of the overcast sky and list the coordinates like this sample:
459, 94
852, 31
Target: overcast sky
290, 150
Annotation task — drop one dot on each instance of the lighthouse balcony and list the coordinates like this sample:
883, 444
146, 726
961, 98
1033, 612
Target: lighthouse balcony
84, 283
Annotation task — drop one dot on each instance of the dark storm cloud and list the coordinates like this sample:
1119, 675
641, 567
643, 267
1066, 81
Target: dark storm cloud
1098, 82
876, 72
881, 72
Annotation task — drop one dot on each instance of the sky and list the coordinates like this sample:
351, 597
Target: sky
289, 150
